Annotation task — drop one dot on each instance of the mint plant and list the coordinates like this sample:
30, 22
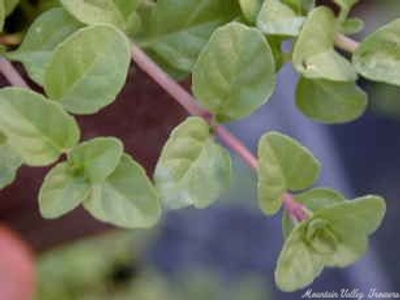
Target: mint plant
80, 53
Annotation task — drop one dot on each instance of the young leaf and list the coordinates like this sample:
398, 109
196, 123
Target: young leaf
363, 215
251, 9
325, 240
46, 32
377, 58
235, 73
96, 159
330, 101
88, 69
178, 30
192, 169
284, 164
37, 129
62, 191
297, 265
127, 198
315, 200
352, 26
277, 18
314, 55
9, 162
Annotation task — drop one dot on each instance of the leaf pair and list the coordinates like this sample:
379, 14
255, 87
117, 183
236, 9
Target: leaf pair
284, 164
327, 91
109, 184
335, 236
192, 168
82, 68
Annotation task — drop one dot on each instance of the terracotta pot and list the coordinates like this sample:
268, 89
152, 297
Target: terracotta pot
142, 117
17, 267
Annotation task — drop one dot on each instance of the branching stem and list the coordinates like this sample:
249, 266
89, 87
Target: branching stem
295, 209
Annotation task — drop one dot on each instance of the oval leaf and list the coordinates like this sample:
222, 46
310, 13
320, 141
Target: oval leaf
329, 101
284, 164
88, 69
62, 191
37, 129
192, 169
96, 159
127, 198
46, 32
235, 73
297, 265
378, 56
314, 55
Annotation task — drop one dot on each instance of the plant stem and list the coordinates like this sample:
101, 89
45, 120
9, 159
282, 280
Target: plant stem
189, 103
11, 74
345, 43
295, 209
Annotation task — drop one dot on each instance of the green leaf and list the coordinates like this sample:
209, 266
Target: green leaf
120, 13
46, 32
10, 162
315, 200
284, 164
277, 18
363, 215
330, 101
301, 6
298, 265
127, 198
178, 30
62, 191
378, 56
352, 26
37, 129
88, 69
2, 14
94, 11
192, 169
10, 5
96, 159
314, 55
251, 9
325, 240
235, 73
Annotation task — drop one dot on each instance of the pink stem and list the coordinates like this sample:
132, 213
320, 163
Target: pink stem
345, 43
294, 208
11, 74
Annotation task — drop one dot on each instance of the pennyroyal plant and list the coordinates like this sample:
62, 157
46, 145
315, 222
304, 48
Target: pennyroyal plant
80, 53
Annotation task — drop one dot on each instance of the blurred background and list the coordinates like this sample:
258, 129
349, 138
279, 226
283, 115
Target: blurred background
229, 250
